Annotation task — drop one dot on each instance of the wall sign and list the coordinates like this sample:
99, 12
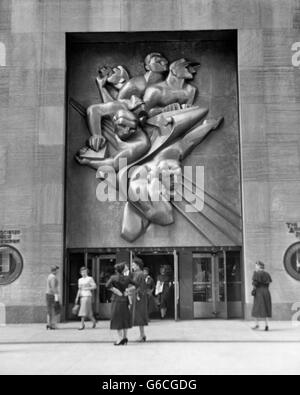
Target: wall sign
294, 228
292, 261
11, 264
10, 236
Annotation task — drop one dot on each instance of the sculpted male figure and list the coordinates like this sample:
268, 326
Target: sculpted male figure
129, 97
175, 89
110, 107
156, 66
127, 141
153, 185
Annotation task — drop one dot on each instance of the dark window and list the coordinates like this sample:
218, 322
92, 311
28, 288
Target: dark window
234, 277
11, 264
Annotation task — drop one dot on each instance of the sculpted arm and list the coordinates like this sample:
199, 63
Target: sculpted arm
127, 91
152, 98
106, 96
192, 96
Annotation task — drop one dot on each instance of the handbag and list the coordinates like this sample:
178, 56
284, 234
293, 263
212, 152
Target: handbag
159, 288
75, 309
57, 308
253, 293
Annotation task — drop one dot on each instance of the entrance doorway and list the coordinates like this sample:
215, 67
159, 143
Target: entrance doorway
101, 267
217, 285
211, 283
162, 267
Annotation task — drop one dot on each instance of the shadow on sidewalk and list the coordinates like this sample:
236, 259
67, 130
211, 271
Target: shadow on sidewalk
152, 342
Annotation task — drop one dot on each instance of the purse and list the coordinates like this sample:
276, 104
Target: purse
75, 309
57, 308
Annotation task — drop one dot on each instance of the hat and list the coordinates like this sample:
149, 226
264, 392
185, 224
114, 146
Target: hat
183, 63
260, 264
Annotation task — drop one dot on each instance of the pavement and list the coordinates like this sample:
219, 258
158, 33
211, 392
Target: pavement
186, 347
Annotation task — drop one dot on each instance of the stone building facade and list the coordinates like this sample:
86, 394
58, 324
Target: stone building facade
33, 124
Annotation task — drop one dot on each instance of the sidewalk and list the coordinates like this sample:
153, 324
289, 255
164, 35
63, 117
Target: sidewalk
187, 347
158, 332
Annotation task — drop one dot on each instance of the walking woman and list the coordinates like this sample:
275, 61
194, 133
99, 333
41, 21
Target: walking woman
118, 284
164, 287
86, 285
140, 316
152, 305
262, 308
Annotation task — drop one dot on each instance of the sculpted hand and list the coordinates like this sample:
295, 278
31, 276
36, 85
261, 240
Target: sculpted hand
96, 142
102, 81
81, 161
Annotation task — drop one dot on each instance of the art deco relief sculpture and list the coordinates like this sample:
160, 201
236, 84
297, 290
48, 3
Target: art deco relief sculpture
151, 123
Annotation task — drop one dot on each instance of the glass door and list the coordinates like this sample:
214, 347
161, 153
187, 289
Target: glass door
103, 269
219, 285
176, 285
76, 260
234, 284
203, 285
209, 285
106, 270
155, 262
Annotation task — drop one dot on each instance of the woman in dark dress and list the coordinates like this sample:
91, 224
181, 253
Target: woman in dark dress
120, 313
262, 308
152, 306
164, 288
140, 316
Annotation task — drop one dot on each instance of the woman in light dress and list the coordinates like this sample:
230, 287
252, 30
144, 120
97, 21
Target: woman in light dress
86, 285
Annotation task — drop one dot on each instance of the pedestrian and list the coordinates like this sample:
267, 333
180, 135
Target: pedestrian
52, 298
164, 291
126, 270
262, 308
121, 321
140, 316
86, 285
152, 305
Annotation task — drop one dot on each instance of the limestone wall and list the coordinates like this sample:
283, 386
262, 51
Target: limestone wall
32, 123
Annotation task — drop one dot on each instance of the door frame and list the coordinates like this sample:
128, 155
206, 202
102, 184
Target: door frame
210, 256
222, 252
216, 283
211, 310
96, 269
168, 252
176, 285
149, 251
